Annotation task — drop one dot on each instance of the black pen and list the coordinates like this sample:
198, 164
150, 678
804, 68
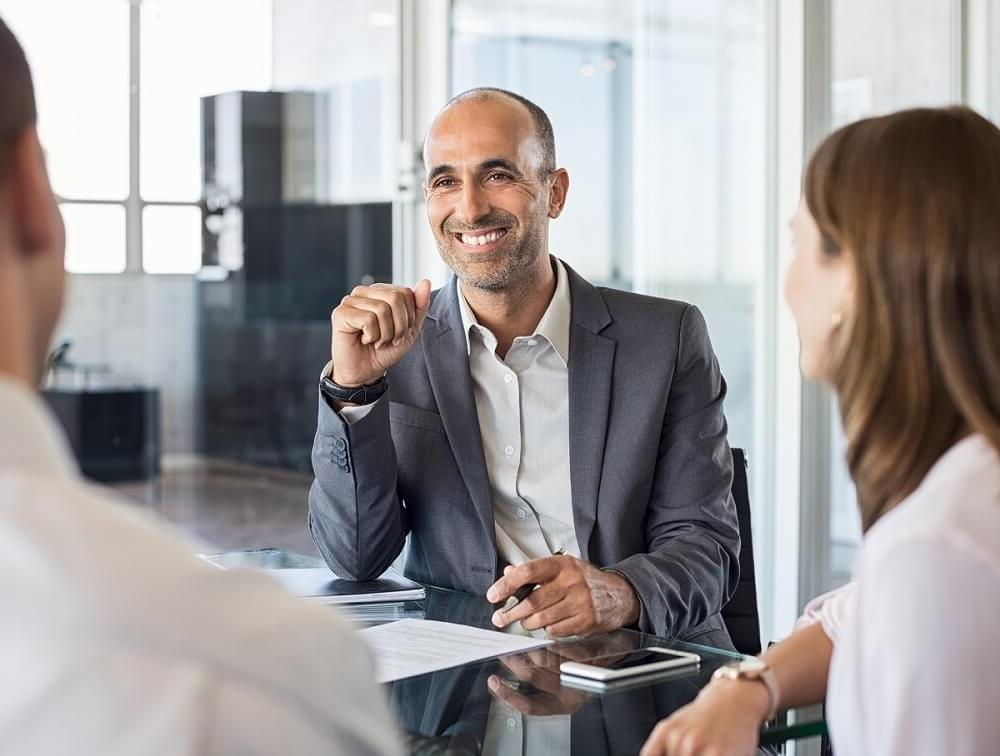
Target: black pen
523, 592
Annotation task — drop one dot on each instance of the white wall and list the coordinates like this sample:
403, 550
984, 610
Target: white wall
144, 328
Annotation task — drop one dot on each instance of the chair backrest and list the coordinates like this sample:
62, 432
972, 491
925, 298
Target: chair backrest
741, 614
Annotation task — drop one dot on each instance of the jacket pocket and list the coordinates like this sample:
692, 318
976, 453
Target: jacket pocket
415, 417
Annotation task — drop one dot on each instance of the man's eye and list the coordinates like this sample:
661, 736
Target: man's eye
443, 183
498, 177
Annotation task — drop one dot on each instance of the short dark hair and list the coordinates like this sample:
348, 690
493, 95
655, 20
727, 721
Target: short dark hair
17, 95
543, 126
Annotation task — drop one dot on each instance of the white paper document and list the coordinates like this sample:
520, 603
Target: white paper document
413, 647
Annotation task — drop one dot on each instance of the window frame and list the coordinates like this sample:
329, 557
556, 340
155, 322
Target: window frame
133, 204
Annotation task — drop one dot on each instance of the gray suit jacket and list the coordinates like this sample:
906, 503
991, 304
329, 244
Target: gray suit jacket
650, 469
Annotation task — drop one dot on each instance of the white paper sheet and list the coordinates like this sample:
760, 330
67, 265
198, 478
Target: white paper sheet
413, 647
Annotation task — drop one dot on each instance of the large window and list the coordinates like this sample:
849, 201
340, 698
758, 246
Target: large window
84, 128
659, 111
261, 138
114, 172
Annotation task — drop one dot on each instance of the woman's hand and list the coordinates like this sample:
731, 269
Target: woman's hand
724, 720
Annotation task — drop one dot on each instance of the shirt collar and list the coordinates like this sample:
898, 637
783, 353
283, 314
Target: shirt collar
555, 322
30, 438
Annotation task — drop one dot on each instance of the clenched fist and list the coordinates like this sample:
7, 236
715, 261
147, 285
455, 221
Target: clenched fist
373, 328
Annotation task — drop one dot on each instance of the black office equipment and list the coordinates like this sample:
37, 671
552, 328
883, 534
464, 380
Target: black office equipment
114, 432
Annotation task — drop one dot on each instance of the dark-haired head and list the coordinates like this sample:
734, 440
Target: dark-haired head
17, 97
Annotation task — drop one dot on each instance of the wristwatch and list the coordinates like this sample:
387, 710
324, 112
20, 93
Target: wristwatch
756, 670
358, 395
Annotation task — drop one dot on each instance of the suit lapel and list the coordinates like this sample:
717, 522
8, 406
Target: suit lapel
447, 360
591, 367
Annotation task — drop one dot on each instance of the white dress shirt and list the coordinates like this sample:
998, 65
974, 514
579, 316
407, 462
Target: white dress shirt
523, 406
115, 639
915, 632
522, 402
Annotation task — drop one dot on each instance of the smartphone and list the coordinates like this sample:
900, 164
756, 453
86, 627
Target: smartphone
643, 661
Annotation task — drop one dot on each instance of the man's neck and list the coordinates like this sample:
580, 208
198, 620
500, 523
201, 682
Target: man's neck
515, 311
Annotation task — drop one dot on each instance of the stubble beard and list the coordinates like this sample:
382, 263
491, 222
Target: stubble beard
514, 262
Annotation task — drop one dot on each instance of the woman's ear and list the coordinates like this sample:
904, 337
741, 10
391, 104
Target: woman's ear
846, 285
558, 192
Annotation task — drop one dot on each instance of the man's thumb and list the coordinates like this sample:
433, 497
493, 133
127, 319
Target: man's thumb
422, 297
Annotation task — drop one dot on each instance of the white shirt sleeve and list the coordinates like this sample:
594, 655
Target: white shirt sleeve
352, 415
828, 610
926, 634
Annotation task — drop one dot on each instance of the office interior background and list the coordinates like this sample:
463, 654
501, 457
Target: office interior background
229, 169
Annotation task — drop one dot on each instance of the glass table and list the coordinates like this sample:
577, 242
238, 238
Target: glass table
518, 703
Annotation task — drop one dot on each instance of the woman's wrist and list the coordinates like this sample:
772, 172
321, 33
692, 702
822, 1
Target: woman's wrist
753, 695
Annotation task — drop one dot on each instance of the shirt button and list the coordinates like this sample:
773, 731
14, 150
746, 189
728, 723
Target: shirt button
532, 342
508, 378
511, 722
522, 513
509, 450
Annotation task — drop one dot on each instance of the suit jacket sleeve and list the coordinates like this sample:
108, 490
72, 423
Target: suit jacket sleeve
356, 517
692, 564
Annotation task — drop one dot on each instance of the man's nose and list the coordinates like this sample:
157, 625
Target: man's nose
473, 205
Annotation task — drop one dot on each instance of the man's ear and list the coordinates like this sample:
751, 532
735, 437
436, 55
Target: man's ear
31, 194
558, 192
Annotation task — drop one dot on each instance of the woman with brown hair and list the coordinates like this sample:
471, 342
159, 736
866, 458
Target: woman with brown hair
895, 288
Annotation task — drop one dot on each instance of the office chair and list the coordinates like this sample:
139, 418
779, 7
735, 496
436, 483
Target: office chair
741, 614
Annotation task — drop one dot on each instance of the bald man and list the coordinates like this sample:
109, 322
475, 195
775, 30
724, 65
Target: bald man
523, 427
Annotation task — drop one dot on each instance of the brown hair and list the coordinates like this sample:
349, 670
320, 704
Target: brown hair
17, 96
913, 198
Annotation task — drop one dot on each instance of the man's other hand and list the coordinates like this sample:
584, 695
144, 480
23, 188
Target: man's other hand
572, 598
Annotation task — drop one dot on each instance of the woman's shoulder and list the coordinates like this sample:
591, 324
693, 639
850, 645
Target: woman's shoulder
955, 511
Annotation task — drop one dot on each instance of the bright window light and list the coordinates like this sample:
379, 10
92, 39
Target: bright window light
95, 238
171, 239
79, 57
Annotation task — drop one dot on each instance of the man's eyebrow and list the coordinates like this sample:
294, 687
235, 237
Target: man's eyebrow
499, 163
437, 170
486, 165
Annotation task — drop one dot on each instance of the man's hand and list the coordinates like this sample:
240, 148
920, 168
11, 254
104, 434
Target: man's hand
373, 328
572, 598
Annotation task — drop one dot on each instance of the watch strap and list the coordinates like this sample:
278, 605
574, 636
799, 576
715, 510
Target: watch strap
356, 395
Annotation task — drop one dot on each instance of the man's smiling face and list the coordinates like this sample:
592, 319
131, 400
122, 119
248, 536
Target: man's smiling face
487, 203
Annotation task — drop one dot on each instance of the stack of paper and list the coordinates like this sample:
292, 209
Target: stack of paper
321, 585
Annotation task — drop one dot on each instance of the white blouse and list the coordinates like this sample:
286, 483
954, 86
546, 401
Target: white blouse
916, 633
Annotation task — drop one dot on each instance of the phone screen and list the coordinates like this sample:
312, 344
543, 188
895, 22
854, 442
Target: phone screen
644, 656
